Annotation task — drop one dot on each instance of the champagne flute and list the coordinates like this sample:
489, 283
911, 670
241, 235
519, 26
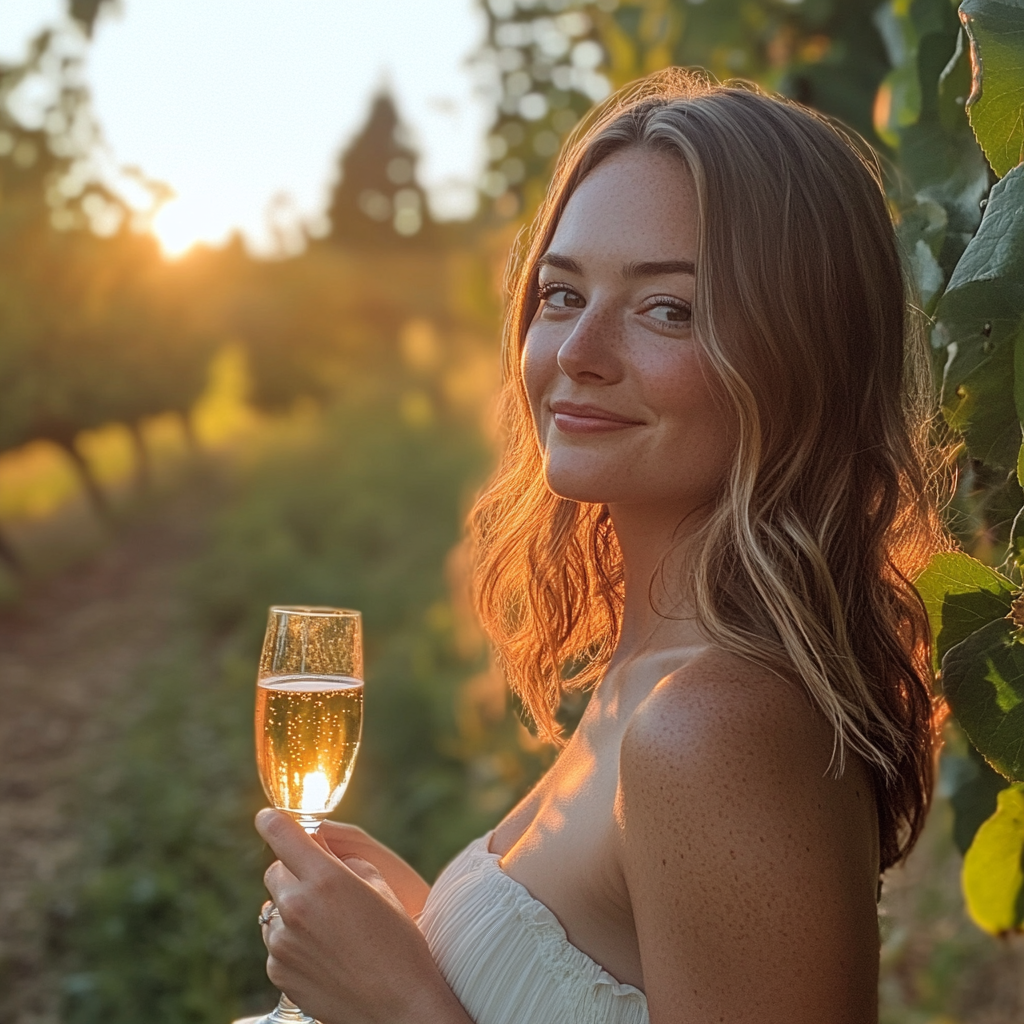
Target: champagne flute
309, 715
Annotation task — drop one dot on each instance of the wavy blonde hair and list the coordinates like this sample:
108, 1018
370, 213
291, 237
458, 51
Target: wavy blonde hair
804, 564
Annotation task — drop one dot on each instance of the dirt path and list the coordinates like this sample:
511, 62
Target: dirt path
73, 644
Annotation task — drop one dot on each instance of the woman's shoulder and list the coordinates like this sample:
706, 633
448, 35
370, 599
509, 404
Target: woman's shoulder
718, 710
744, 858
727, 743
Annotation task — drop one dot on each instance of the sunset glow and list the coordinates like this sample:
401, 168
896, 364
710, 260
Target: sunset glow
177, 228
316, 790
235, 144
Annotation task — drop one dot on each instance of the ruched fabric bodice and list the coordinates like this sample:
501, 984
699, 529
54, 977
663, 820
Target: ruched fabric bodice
506, 956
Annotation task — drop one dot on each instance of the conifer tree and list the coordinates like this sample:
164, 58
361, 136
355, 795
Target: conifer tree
377, 201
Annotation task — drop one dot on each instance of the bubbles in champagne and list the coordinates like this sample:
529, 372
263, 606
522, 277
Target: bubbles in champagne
307, 736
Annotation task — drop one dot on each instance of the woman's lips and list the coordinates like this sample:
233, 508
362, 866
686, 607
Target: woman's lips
588, 419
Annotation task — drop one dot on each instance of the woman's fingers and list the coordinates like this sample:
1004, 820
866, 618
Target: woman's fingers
346, 841
368, 873
363, 868
343, 839
307, 870
301, 854
278, 880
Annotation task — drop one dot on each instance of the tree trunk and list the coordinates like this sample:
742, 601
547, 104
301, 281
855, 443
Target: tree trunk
97, 498
10, 557
190, 434
143, 464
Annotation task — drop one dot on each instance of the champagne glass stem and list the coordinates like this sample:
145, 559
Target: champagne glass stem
288, 1013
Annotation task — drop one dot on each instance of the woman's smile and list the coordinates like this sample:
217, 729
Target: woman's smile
573, 418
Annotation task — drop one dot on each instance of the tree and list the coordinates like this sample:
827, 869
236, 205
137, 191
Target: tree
93, 329
377, 201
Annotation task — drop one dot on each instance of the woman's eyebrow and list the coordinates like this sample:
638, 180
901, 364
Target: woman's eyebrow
631, 271
567, 263
657, 268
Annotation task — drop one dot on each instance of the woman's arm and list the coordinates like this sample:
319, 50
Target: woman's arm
344, 948
752, 874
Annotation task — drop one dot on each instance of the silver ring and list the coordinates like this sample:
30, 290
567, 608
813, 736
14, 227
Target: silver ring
268, 912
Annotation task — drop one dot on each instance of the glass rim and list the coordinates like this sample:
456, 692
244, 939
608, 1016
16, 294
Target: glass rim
325, 611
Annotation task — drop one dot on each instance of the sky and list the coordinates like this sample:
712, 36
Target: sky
236, 103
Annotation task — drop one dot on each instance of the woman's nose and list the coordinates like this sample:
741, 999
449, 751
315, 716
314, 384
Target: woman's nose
590, 354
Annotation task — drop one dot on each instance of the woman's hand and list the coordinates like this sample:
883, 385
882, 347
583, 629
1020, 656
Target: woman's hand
344, 948
346, 841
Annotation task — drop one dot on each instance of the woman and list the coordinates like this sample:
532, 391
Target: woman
712, 499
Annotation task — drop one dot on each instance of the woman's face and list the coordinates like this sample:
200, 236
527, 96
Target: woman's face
618, 387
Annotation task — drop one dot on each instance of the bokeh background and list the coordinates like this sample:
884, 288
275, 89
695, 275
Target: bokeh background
251, 264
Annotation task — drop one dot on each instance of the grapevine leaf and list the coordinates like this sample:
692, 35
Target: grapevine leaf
961, 595
993, 872
996, 104
979, 319
955, 87
922, 230
983, 680
997, 251
972, 787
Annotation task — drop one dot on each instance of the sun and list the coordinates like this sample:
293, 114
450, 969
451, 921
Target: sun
178, 226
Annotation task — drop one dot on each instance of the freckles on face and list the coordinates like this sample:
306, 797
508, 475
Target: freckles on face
618, 386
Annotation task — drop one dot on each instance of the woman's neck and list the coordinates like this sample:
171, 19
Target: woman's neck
657, 559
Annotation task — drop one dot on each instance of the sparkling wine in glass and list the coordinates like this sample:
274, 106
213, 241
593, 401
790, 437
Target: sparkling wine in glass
309, 717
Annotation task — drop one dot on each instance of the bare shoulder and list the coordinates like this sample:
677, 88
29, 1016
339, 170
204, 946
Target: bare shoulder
751, 869
719, 711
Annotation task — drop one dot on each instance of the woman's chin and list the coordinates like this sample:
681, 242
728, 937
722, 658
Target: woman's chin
573, 488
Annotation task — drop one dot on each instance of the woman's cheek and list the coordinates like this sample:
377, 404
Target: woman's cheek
539, 366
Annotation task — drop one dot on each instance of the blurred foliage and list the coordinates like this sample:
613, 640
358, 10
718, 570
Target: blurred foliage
360, 509
541, 63
97, 327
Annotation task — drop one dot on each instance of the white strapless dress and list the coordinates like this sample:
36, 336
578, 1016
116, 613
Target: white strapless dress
507, 958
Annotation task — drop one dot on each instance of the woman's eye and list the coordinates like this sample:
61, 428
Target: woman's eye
670, 312
561, 297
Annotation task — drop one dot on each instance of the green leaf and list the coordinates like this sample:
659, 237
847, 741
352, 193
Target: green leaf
939, 157
972, 787
997, 251
961, 595
922, 230
983, 680
977, 386
979, 319
996, 104
903, 89
955, 87
993, 873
